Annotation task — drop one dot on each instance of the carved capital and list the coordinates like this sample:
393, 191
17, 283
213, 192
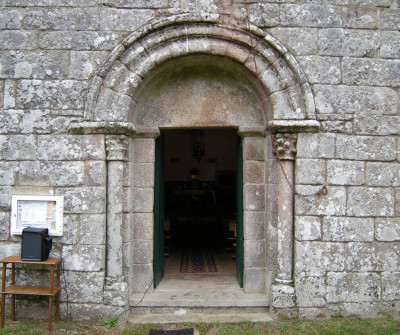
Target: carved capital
285, 146
116, 147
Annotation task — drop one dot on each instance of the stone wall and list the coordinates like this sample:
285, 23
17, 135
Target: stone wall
347, 176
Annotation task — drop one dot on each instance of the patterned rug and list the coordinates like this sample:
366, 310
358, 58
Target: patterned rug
197, 261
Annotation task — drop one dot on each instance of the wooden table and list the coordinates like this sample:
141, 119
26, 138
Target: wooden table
49, 291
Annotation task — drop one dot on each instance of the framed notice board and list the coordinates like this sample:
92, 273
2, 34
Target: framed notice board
37, 211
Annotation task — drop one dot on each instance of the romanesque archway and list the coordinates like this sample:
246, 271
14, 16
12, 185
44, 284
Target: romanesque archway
115, 108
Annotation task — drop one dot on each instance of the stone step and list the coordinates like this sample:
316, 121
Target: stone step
139, 315
211, 298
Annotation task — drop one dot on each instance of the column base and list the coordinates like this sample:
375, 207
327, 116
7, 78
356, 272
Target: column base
115, 292
283, 296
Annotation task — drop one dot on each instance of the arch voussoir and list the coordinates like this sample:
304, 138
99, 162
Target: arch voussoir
282, 78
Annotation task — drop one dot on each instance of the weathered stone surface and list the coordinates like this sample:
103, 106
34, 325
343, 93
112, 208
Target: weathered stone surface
18, 121
254, 148
70, 229
347, 229
136, 3
12, 39
106, 110
83, 200
143, 199
316, 145
4, 226
341, 172
17, 147
361, 100
312, 201
377, 125
383, 174
254, 280
96, 173
387, 229
310, 171
300, 41
84, 287
142, 251
283, 296
69, 147
368, 201
119, 19
62, 19
33, 64
35, 94
83, 64
142, 277
390, 19
311, 15
254, 227
375, 256
390, 45
144, 175
310, 291
91, 229
83, 258
318, 258
7, 173
308, 228
254, 197
351, 42
378, 72
365, 148
78, 40
255, 254
51, 173
264, 14
10, 19
143, 150
390, 286
321, 70
142, 226
361, 17
353, 287
253, 172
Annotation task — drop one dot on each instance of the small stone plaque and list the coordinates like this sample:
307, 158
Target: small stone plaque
187, 331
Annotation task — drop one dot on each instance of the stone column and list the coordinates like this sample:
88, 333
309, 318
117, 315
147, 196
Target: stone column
283, 294
116, 149
285, 151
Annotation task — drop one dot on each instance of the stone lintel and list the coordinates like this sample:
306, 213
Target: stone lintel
102, 127
255, 131
294, 126
147, 132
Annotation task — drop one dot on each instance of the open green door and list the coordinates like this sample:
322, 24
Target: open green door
158, 252
239, 219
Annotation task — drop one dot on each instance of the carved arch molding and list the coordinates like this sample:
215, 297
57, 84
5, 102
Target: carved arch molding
112, 97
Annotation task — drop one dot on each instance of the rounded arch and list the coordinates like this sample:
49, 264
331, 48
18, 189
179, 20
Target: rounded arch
112, 93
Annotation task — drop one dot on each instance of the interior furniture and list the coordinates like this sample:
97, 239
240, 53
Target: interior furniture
13, 289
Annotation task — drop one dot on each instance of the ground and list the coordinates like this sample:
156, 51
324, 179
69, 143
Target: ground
339, 326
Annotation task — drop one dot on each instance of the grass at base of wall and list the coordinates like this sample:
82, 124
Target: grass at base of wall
335, 326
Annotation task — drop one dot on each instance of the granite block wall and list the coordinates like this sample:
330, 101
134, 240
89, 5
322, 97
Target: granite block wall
346, 238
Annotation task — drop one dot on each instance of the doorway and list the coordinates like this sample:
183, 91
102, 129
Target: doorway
198, 206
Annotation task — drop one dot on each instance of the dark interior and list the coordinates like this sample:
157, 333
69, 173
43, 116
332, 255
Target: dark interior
200, 187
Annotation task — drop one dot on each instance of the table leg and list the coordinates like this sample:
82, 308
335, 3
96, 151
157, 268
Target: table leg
58, 307
13, 307
50, 312
3, 297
